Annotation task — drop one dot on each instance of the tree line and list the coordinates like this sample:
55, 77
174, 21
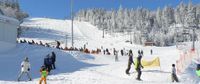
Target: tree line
164, 27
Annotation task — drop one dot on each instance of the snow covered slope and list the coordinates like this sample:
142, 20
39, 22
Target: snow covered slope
84, 33
65, 63
80, 68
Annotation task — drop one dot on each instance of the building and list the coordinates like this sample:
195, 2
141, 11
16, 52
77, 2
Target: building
149, 43
8, 32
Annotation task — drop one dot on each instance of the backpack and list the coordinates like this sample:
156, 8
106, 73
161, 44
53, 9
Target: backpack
50, 61
198, 67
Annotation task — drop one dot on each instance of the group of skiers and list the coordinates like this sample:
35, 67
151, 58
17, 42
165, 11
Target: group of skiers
138, 66
32, 42
50, 59
49, 64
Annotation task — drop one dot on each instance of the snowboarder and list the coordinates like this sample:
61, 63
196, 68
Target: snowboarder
53, 58
138, 66
25, 68
44, 73
174, 76
130, 62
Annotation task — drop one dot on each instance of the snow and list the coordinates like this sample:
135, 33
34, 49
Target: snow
75, 67
5, 46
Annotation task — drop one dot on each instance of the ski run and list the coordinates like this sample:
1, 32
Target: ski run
74, 67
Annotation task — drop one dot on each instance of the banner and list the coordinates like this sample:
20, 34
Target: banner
153, 63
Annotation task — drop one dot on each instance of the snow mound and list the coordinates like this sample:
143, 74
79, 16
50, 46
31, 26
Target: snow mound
65, 62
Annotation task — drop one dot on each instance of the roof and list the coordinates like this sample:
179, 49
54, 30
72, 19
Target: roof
8, 19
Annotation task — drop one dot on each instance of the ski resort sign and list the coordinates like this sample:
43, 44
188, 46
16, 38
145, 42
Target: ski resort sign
8, 32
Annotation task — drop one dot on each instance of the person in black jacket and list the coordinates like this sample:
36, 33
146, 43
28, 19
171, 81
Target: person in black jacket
138, 66
48, 63
122, 52
53, 58
130, 62
58, 45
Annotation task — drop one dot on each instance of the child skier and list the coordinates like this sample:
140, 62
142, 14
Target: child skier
198, 70
44, 74
174, 77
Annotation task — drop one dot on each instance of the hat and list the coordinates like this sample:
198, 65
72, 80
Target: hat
26, 59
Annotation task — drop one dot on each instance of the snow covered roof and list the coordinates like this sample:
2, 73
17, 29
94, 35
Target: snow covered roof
8, 19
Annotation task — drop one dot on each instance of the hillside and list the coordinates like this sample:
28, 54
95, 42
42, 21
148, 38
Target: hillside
79, 68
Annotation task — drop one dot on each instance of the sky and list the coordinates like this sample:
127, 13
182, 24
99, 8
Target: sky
60, 9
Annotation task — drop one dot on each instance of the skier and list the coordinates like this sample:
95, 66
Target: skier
141, 52
114, 51
151, 51
44, 74
25, 68
198, 70
174, 77
122, 52
84, 46
138, 66
116, 56
48, 63
130, 61
104, 52
58, 45
107, 51
53, 58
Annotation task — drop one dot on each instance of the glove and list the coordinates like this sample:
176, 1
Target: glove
28, 69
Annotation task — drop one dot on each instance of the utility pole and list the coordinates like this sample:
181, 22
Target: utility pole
103, 32
193, 39
72, 20
131, 37
66, 41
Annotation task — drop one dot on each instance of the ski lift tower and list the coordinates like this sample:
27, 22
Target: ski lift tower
72, 24
186, 34
193, 36
130, 33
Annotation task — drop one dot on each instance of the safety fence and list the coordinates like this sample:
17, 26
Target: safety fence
185, 59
